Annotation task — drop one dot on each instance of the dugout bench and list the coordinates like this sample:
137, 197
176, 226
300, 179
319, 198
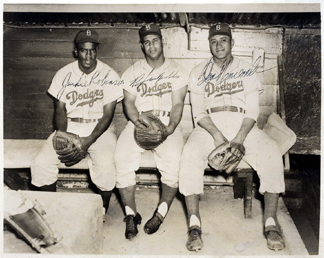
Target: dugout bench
18, 154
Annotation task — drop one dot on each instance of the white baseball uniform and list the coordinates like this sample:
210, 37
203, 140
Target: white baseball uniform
153, 90
84, 96
235, 88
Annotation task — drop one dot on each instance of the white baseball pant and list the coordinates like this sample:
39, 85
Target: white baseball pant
262, 154
44, 168
167, 157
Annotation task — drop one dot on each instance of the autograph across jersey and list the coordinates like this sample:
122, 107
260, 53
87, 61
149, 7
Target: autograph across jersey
229, 85
153, 87
86, 94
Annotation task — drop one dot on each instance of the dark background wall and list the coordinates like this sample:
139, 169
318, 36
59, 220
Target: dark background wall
35, 46
302, 87
31, 58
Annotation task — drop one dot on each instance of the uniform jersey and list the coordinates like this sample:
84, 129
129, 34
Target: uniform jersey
230, 85
86, 94
153, 87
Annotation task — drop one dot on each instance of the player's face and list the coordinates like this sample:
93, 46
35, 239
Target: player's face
87, 56
221, 46
152, 46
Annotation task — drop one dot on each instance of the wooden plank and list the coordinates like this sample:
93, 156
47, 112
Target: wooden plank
37, 48
32, 63
245, 40
23, 77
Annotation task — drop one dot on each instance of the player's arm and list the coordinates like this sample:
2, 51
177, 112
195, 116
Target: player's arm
252, 111
246, 126
178, 97
203, 119
129, 106
102, 126
60, 116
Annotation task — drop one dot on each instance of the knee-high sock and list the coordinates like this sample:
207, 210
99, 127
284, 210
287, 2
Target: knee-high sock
167, 196
105, 195
127, 195
270, 210
192, 204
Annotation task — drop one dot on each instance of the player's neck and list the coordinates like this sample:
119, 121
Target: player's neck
155, 63
223, 61
88, 70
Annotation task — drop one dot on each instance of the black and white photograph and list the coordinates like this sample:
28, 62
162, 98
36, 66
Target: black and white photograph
148, 129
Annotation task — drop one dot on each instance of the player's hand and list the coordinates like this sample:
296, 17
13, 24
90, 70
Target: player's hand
86, 143
219, 139
139, 123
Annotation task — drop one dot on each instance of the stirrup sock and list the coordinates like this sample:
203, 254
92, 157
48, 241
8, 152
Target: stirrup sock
163, 209
129, 211
194, 221
270, 222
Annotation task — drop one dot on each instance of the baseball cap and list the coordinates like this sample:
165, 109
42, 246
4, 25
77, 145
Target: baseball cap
220, 29
87, 35
149, 29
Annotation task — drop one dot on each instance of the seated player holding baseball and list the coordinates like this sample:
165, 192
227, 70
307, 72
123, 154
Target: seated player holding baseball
86, 93
154, 93
224, 94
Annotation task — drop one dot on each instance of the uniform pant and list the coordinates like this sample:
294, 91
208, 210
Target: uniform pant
167, 157
44, 168
262, 154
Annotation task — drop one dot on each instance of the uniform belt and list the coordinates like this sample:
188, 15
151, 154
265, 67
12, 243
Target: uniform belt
226, 108
157, 112
83, 120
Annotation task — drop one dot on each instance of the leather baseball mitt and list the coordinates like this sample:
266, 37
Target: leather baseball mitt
226, 156
149, 131
68, 147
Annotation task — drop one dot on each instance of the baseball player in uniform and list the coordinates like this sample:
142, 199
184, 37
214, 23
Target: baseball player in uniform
224, 94
86, 93
156, 85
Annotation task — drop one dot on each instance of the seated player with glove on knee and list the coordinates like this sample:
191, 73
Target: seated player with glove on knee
154, 93
224, 94
86, 92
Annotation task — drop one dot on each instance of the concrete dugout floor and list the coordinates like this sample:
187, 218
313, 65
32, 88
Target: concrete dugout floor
225, 230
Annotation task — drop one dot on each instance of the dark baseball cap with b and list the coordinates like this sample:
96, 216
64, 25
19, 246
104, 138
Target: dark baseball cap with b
87, 35
220, 29
149, 29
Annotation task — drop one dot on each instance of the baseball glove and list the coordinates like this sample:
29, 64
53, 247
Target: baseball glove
68, 147
226, 156
149, 132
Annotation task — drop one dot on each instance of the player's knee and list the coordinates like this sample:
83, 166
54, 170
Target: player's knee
170, 180
38, 163
125, 180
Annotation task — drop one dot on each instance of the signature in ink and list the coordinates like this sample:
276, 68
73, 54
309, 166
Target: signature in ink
149, 78
95, 79
207, 76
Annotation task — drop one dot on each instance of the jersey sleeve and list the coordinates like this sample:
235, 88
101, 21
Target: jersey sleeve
195, 85
183, 78
56, 89
128, 79
113, 90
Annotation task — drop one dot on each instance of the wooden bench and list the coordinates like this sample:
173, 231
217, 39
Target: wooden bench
19, 153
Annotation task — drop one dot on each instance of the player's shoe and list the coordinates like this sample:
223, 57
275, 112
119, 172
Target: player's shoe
194, 242
153, 224
274, 240
131, 225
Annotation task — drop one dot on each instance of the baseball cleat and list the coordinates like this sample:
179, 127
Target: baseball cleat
194, 242
131, 225
153, 224
274, 240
